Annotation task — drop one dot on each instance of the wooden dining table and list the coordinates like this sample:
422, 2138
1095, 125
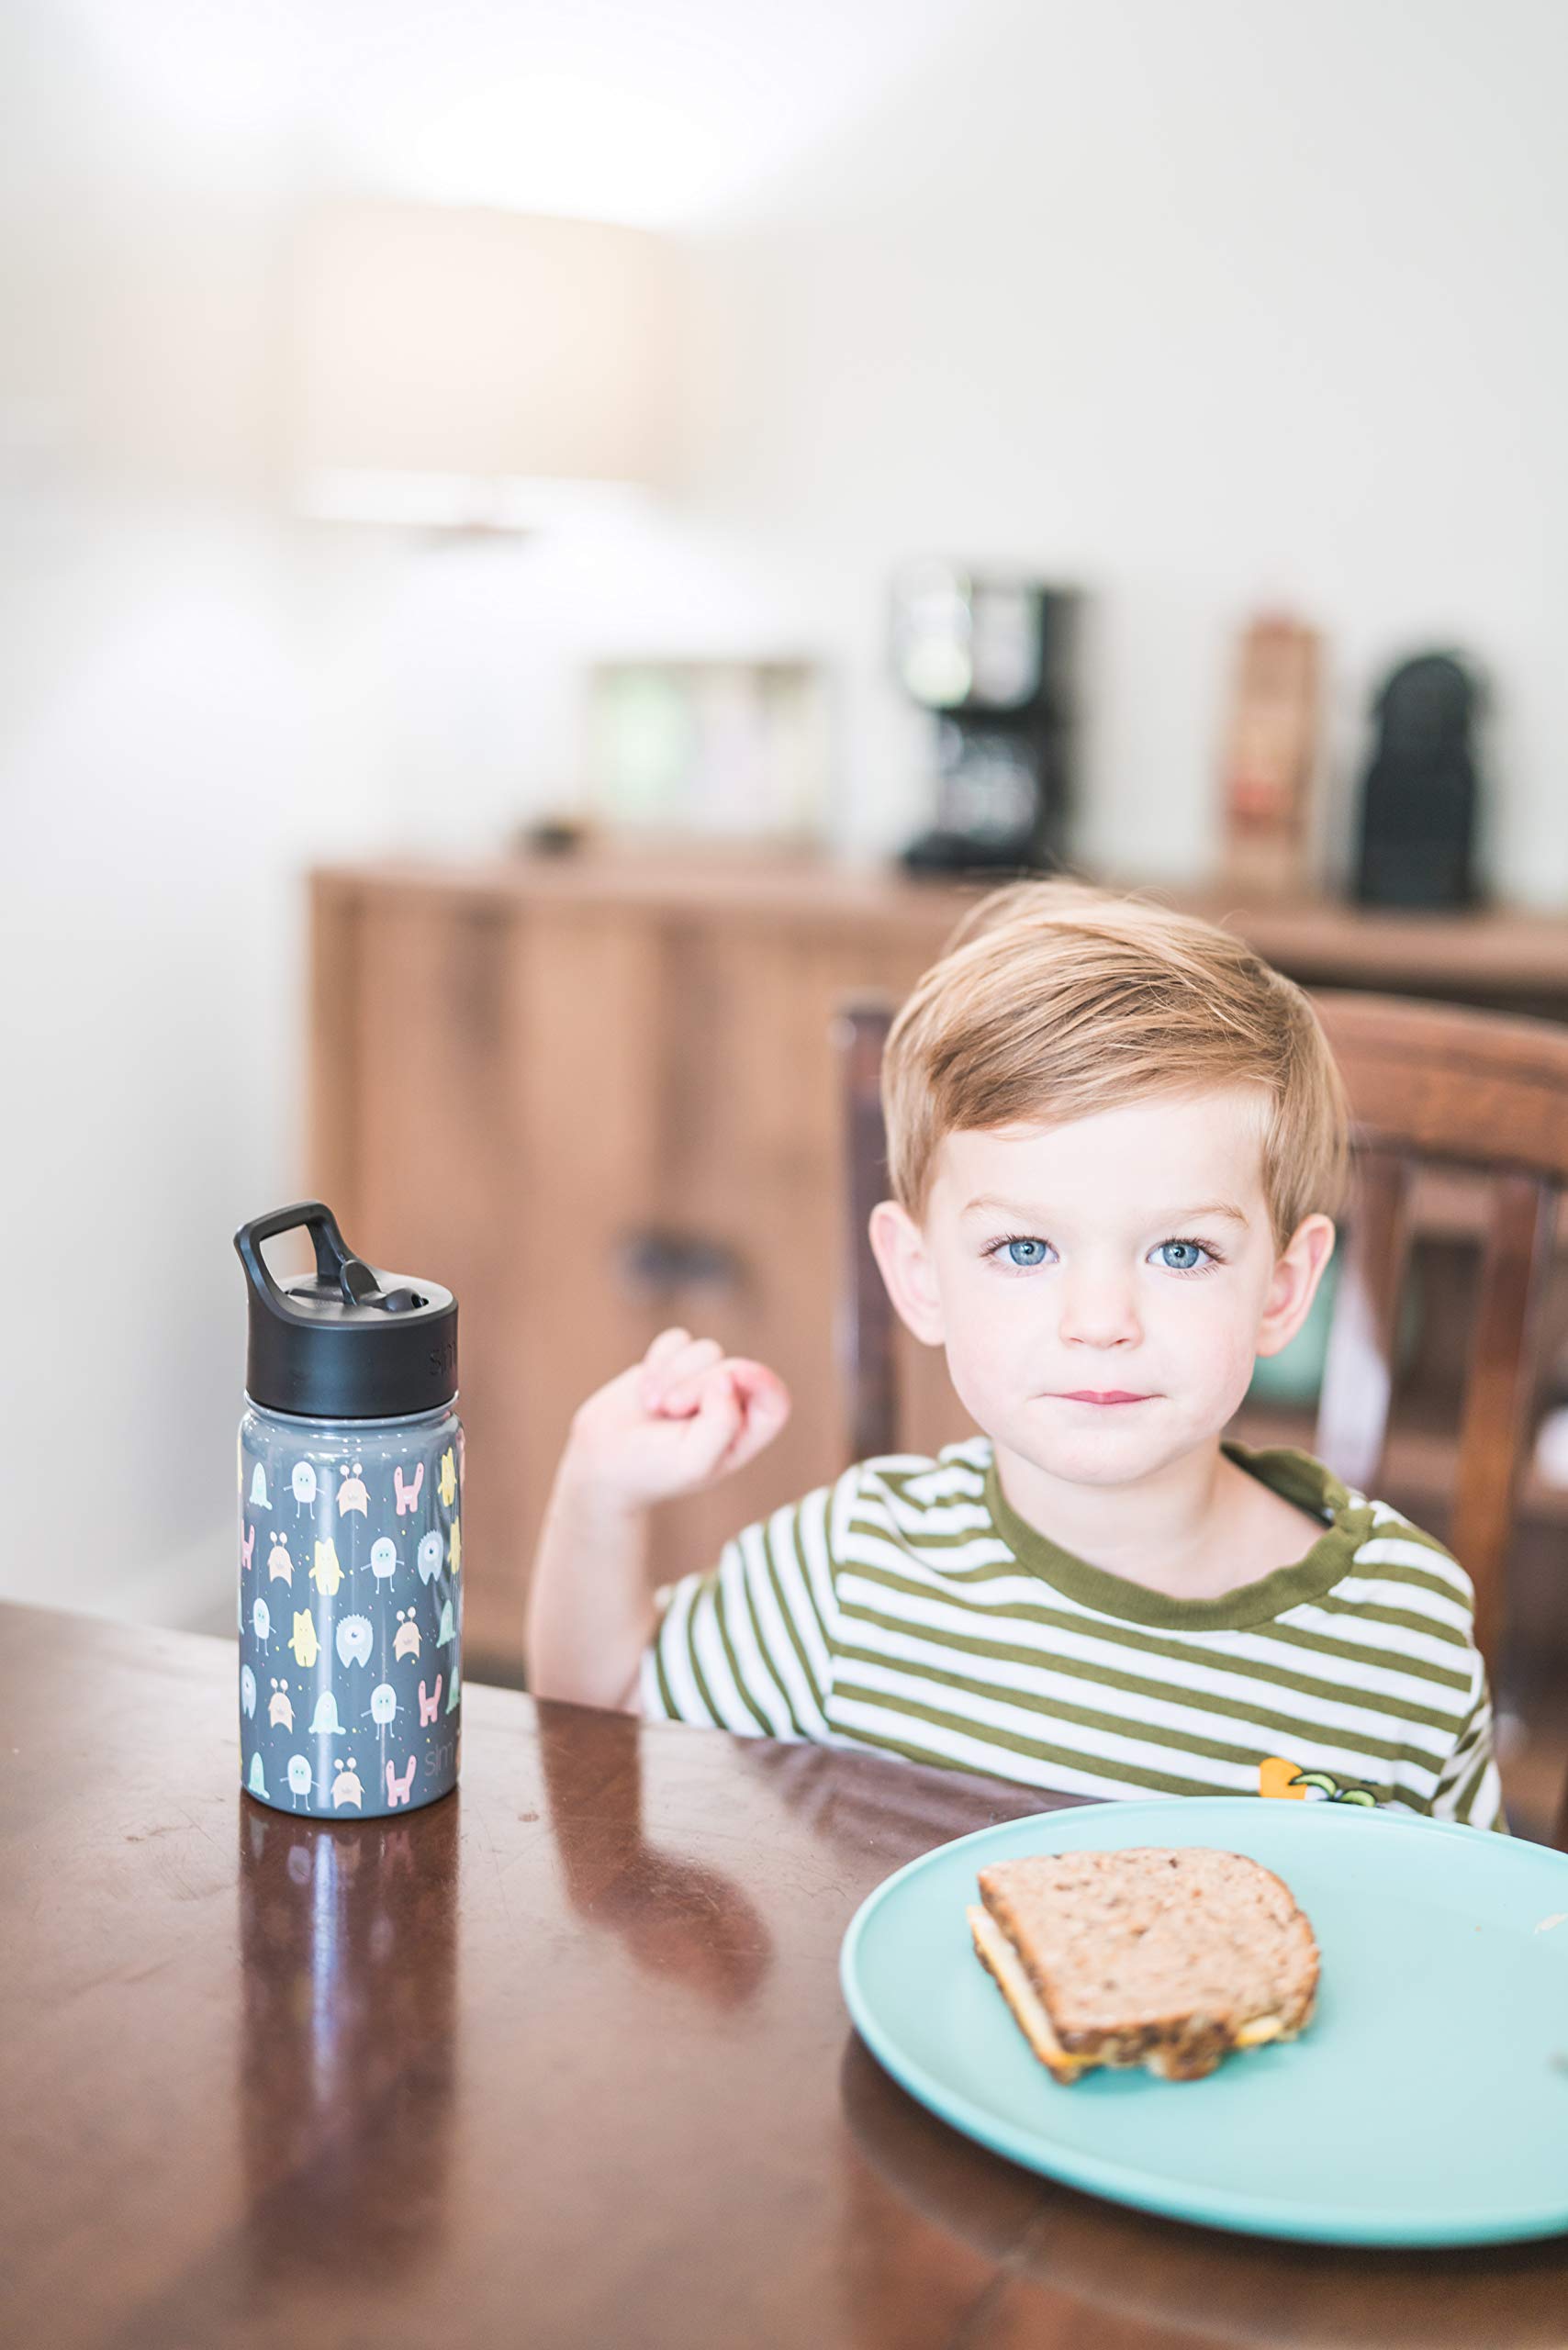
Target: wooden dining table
561, 2060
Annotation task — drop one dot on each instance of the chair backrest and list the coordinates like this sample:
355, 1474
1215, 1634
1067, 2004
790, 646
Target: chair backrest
1425, 1083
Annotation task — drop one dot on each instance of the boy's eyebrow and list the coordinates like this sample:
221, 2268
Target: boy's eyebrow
1176, 1216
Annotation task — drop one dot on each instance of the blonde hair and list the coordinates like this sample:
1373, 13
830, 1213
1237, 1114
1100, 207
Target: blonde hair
1054, 999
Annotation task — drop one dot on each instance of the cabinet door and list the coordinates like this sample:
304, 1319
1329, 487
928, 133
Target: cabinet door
587, 1019
750, 1185
415, 1145
593, 1121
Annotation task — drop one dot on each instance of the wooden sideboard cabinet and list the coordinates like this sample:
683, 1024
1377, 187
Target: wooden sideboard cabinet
595, 1103
596, 1097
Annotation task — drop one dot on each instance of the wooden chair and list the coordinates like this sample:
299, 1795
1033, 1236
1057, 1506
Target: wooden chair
1427, 1084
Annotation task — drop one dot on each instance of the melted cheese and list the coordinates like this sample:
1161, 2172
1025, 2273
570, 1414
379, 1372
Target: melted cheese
1021, 1995
1030, 2010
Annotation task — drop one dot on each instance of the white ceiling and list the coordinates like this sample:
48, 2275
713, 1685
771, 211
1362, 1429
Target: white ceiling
664, 113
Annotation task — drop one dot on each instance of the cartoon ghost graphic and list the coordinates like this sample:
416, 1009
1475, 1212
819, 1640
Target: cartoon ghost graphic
346, 1787
324, 1721
452, 1692
327, 1574
384, 1560
406, 1639
446, 1483
280, 1566
354, 1640
280, 1707
306, 1646
351, 1494
448, 1632
247, 1691
428, 1556
303, 1483
258, 1779
258, 1488
456, 1548
262, 1619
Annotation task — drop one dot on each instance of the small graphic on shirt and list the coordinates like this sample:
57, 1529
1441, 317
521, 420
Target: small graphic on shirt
1287, 1782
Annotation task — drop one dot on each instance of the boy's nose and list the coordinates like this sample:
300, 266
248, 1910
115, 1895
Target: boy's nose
1099, 1313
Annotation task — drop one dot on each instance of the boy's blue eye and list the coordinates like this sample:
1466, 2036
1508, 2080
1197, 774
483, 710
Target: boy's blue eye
1027, 1252
1180, 1256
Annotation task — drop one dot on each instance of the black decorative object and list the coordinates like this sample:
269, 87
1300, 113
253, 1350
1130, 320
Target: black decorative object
991, 659
1418, 796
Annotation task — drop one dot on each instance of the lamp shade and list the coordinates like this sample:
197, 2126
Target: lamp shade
461, 344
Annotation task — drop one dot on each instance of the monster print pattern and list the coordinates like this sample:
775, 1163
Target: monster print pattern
375, 1537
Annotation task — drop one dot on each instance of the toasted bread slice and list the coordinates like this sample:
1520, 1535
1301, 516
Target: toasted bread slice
1168, 1959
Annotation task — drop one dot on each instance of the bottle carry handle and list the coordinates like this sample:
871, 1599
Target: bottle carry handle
336, 1264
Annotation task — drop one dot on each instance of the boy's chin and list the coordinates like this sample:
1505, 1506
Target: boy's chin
1113, 1454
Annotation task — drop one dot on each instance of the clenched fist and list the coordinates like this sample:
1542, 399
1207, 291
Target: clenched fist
683, 1418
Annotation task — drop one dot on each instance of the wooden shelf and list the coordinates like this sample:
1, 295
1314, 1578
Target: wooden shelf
1498, 953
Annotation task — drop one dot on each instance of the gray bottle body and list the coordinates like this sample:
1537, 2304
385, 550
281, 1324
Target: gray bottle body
351, 1611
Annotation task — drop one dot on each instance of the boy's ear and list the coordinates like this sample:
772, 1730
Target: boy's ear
1297, 1272
907, 1272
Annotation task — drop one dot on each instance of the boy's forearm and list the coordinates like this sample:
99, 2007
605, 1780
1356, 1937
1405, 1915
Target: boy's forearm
590, 1610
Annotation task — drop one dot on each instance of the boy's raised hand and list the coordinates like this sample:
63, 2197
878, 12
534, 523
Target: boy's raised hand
683, 1418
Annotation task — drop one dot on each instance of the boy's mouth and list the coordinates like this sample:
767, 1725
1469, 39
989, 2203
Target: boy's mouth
1102, 1395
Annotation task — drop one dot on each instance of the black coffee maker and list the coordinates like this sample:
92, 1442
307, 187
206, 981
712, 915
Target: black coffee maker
990, 658
1416, 846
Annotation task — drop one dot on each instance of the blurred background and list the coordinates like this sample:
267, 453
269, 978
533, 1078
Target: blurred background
542, 544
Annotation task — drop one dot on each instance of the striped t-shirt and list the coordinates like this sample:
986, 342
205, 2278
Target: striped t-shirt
910, 1609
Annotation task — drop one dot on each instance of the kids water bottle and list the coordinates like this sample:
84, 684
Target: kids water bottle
351, 1532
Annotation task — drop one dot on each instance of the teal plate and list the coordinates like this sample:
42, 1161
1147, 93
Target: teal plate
1425, 2104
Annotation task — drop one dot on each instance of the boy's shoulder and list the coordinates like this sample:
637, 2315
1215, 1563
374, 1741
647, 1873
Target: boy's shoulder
916, 1496
959, 1473
1386, 1547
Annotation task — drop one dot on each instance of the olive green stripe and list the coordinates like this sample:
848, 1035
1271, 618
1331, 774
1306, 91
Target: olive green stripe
997, 1569
1380, 1571
1008, 1743
1166, 1640
782, 1599
693, 1659
1472, 1787
1194, 1741
1248, 1668
722, 1622
666, 1694
1143, 1643
1400, 1529
1361, 1652
1273, 1627
1138, 1686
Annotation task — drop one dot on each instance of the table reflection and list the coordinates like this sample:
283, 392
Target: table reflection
1069, 2252
678, 1918
347, 2046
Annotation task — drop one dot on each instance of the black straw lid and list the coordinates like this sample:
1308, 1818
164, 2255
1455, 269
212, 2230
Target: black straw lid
347, 1342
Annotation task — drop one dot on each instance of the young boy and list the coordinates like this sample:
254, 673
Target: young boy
1116, 1141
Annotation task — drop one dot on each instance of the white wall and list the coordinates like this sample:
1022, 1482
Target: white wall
1190, 305
1195, 305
